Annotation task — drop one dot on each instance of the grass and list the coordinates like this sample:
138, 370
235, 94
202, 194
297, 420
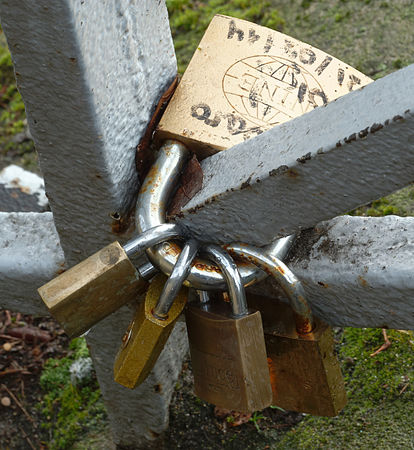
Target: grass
189, 19
380, 392
12, 117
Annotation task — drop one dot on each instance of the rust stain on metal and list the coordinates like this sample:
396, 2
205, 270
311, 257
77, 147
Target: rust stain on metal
171, 248
191, 182
292, 173
150, 178
144, 156
207, 267
362, 281
376, 127
304, 158
122, 224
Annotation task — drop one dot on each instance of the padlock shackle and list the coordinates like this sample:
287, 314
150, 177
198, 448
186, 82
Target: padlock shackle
176, 279
151, 237
287, 280
231, 274
152, 203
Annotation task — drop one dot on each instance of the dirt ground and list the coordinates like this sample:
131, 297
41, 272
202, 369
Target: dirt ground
25, 344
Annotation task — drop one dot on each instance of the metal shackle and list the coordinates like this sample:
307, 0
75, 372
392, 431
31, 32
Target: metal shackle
151, 209
287, 280
151, 237
176, 279
231, 274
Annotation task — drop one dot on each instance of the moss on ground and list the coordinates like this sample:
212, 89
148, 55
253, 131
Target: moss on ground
15, 147
190, 18
70, 409
380, 392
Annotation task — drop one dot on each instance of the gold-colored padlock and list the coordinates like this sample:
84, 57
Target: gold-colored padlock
244, 79
97, 286
153, 322
227, 347
304, 370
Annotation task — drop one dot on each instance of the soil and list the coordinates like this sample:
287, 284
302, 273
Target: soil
26, 343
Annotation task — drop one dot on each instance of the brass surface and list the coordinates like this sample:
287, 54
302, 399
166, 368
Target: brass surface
93, 289
304, 370
244, 79
228, 357
146, 336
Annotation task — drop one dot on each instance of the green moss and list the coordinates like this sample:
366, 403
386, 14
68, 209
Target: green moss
189, 19
69, 409
380, 392
12, 115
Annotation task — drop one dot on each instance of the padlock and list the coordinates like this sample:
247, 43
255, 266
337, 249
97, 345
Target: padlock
153, 322
227, 346
304, 370
97, 286
244, 79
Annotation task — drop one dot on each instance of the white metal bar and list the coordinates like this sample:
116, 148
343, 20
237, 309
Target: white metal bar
357, 271
326, 162
90, 74
30, 255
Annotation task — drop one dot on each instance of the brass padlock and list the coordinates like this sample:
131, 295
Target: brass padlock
97, 286
153, 322
227, 346
304, 370
244, 79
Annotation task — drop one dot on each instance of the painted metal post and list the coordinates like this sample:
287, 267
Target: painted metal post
329, 161
90, 74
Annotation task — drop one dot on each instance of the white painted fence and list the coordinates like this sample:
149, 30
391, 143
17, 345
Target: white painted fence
90, 76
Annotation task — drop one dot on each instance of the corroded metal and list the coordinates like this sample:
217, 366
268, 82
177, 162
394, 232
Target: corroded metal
304, 370
176, 279
150, 212
288, 281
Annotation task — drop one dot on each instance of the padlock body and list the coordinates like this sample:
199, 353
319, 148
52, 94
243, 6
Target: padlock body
304, 370
228, 357
146, 336
93, 289
243, 79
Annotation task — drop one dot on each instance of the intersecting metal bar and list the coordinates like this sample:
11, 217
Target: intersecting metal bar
30, 255
328, 161
356, 271
90, 75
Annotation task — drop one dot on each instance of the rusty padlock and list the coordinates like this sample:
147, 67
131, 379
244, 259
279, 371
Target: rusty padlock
227, 346
304, 370
99, 285
153, 322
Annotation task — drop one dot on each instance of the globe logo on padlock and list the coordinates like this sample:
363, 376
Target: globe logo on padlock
268, 90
